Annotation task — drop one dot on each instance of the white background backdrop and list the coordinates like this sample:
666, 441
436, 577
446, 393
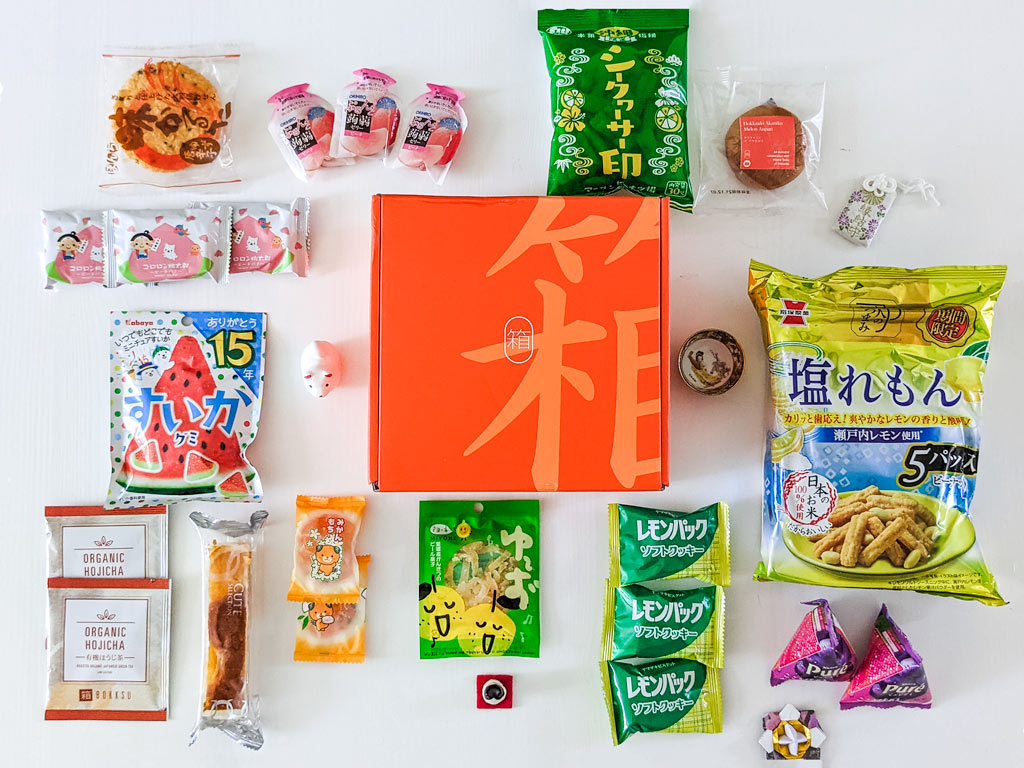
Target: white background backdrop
914, 89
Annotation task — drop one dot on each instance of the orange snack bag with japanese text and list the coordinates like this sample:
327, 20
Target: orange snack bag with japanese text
325, 569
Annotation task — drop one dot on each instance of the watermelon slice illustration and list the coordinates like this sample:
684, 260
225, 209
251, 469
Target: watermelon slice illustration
193, 459
146, 458
198, 468
234, 486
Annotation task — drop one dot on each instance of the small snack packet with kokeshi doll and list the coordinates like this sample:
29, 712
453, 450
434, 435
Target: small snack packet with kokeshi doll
326, 529
479, 566
159, 245
657, 624
661, 696
618, 102
169, 117
334, 632
272, 238
73, 252
873, 438
651, 544
228, 701
818, 650
108, 649
367, 118
98, 543
185, 398
892, 673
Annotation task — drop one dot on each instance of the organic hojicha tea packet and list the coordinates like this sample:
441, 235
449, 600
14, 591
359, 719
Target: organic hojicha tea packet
650, 544
618, 102
97, 543
108, 648
683, 623
664, 695
479, 578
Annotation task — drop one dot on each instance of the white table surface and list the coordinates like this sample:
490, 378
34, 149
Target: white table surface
928, 89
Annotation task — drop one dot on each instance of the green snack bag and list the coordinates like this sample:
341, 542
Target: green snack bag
665, 695
650, 544
658, 624
618, 102
479, 578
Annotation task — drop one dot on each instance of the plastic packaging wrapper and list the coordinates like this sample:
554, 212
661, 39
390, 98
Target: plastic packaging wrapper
228, 701
651, 544
301, 126
618, 102
334, 632
760, 139
168, 117
479, 566
892, 673
325, 567
432, 132
818, 650
682, 623
873, 431
367, 118
661, 696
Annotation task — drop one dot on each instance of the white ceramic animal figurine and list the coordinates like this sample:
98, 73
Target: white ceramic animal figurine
321, 368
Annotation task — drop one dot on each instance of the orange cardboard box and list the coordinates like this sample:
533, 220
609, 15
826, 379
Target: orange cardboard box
519, 344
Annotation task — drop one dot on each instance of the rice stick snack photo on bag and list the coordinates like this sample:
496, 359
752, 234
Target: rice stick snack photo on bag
871, 454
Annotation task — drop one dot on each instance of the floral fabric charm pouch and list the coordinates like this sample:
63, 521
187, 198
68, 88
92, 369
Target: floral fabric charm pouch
868, 205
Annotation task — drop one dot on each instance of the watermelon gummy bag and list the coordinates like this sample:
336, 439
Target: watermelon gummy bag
186, 390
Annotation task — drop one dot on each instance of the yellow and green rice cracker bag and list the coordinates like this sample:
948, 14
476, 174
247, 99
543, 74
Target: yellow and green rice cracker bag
875, 381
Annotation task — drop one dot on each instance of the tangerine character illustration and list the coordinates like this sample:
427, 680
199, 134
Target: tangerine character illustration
487, 629
441, 611
320, 615
325, 559
142, 244
68, 245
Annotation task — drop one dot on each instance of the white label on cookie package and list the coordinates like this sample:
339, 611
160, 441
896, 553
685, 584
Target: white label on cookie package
104, 551
105, 640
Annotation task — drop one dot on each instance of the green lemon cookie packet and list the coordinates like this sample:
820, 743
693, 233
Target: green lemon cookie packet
653, 544
664, 695
479, 568
683, 623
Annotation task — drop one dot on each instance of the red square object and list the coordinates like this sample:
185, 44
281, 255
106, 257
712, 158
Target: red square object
494, 691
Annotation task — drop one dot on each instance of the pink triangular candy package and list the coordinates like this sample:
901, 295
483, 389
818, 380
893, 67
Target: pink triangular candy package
818, 650
892, 673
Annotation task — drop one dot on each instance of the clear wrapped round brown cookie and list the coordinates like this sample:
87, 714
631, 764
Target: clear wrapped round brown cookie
765, 178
